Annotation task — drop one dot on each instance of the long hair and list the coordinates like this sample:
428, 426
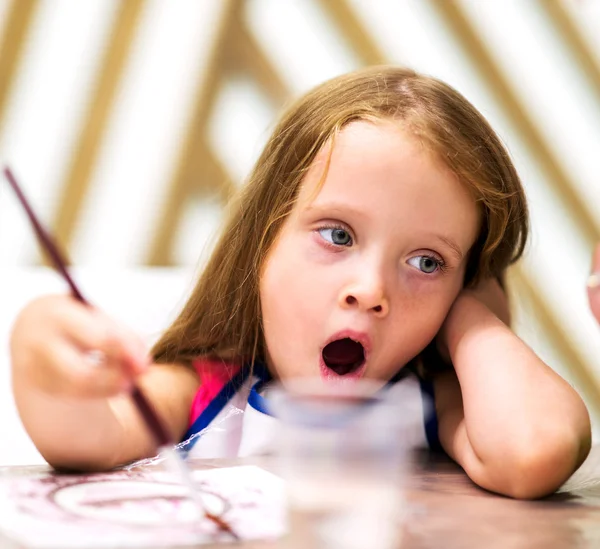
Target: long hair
222, 318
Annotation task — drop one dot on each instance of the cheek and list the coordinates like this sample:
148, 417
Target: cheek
422, 320
270, 304
424, 328
288, 302
285, 299
292, 284
278, 283
289, 320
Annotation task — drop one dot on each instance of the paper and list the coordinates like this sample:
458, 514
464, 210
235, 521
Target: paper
139, 509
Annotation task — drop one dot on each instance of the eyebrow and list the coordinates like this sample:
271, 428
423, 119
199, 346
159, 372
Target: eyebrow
341, 208
454, 247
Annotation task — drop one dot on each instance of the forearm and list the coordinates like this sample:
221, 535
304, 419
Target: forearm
519, 415
80, 434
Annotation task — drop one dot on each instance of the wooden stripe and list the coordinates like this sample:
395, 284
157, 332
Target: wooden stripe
204, 178
215, 179
583, 372
343, 16
518, 116
14, 36
243, 53
567, 28
187, 174
96, 119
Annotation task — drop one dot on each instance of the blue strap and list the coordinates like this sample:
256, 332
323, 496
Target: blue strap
255, 400
430, 416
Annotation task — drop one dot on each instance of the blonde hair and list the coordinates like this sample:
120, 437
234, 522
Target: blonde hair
222, 318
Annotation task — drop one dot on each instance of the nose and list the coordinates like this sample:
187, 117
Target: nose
366, 293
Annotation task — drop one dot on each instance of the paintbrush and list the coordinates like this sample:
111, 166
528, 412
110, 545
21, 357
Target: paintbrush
162, 438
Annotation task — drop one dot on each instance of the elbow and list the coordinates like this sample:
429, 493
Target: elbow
92, 453
81, 462
537, 472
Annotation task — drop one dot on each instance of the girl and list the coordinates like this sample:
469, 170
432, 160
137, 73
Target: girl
370, 241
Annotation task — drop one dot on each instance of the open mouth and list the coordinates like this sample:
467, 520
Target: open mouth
343, 356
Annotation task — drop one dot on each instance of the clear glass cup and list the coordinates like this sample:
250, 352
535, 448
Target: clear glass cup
343, 454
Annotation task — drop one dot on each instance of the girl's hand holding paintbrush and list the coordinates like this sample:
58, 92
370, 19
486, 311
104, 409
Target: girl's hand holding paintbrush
74, 367
62, 390
56, 346
78, 409
57, 340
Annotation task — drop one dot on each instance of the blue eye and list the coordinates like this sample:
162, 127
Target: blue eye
336, 235
426, 263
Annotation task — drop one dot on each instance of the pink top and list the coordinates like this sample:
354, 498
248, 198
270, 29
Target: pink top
214, 375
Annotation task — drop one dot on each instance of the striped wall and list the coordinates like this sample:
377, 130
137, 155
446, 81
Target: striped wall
130, 123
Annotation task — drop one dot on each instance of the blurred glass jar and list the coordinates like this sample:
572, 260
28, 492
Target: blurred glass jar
343, 453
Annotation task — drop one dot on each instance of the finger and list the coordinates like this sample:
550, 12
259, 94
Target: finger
88, 329
594, 300
126, 348
594, 284
92, 330
70, 374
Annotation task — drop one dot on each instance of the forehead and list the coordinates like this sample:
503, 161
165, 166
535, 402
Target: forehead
373, 166
378, 146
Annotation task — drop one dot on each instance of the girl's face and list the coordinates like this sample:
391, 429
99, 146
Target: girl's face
364, 270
